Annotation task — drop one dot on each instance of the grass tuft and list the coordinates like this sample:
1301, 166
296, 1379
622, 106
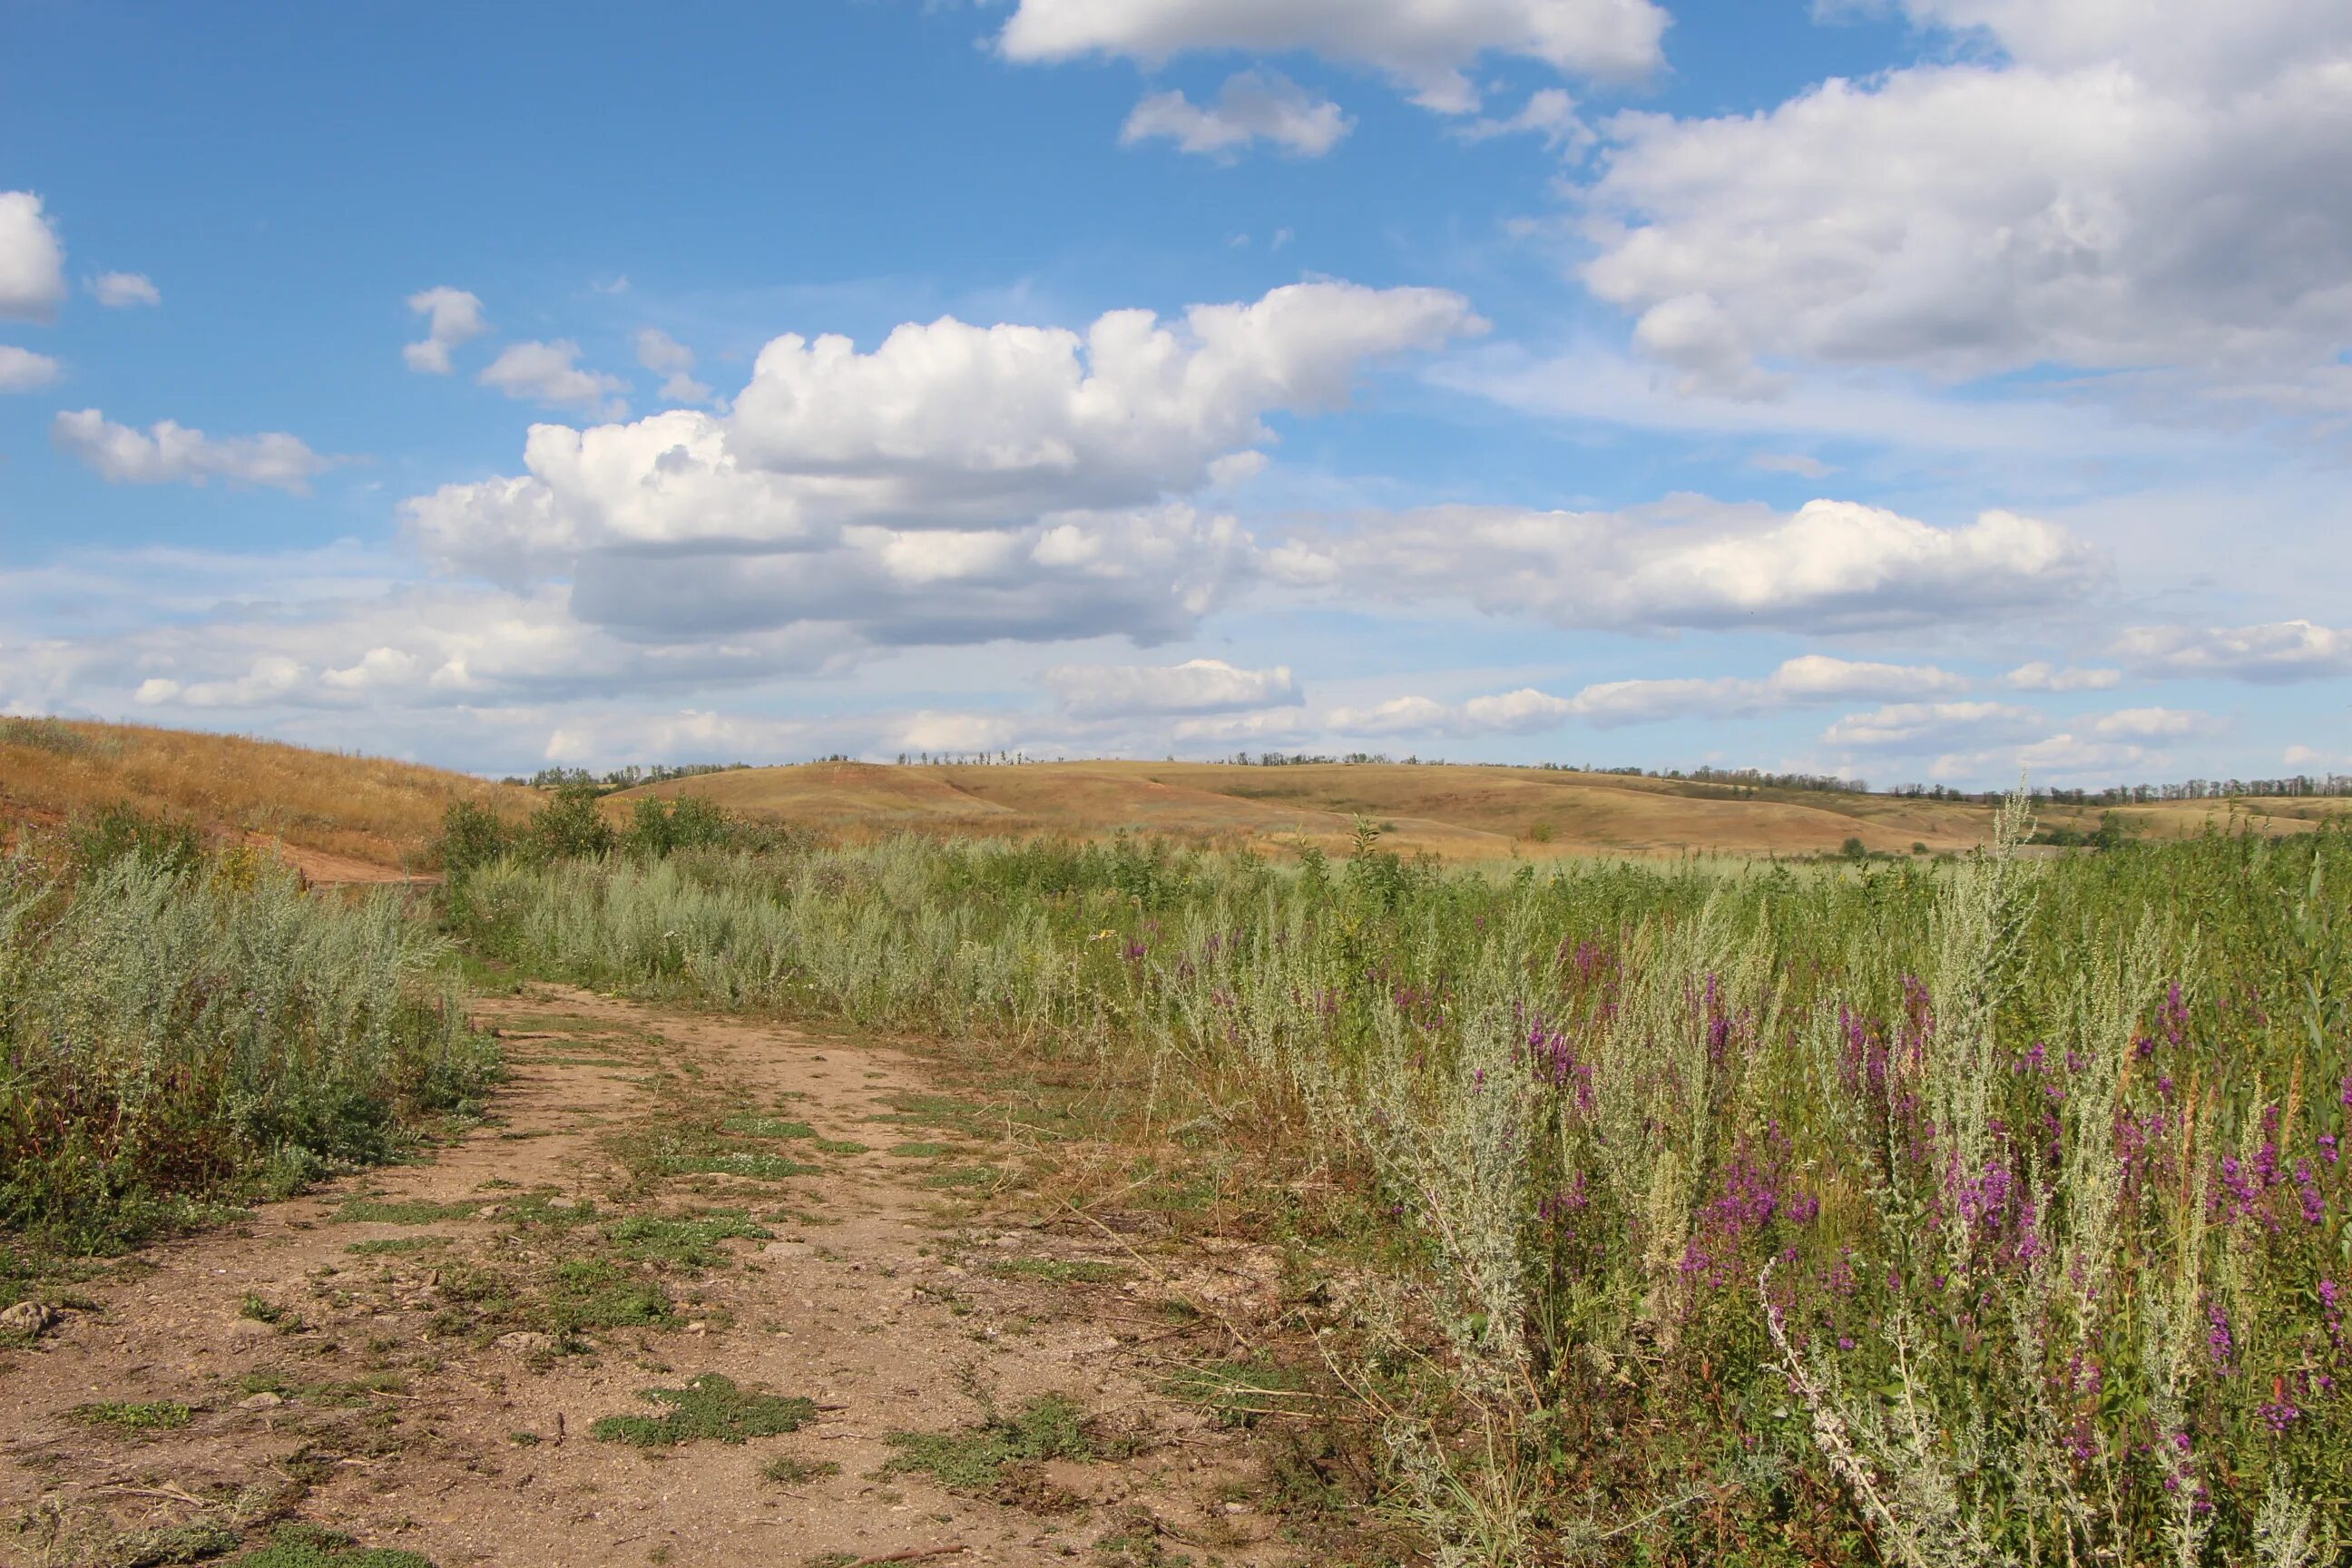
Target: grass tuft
162, 1416
1049, 1427
709, 1408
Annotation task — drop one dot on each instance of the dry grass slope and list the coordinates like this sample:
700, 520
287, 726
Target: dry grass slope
338, 816
343, 817
1457, 812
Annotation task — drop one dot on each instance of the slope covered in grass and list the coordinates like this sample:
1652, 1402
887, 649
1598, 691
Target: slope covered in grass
336, 813
1458, 812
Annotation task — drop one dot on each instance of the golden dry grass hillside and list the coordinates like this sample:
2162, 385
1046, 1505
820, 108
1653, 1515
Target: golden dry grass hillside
344, 817
338, 816
1457, 812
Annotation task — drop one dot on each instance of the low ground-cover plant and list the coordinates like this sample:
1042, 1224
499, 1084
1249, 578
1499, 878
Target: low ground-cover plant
1981, 1212
977, 1460
709, 1408
177, 1028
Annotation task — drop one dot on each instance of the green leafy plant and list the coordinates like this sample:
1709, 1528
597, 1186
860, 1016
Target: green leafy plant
709, 1408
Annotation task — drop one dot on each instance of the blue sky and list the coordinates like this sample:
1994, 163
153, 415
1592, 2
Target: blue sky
1922, 391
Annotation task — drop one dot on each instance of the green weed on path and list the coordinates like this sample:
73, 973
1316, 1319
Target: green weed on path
1049, 1427
709, 1408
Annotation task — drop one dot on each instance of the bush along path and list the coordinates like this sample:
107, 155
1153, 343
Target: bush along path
700, 1291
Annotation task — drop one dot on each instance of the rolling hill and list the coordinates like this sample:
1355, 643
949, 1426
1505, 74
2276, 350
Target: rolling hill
1458, 812
337, 817
343, 817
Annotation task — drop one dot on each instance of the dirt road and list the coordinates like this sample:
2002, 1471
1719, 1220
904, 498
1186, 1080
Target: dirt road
779, 1260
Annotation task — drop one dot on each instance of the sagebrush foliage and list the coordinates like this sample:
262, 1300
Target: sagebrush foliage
177, 1027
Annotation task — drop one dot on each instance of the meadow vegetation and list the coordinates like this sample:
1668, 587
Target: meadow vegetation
181, 1028
1984, 1211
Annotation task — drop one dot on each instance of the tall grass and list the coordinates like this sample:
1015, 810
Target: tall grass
1989, 1213
177, 1030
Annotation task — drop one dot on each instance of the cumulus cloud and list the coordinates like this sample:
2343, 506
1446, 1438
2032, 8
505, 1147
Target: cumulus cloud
1011, 416
954, 484
1831, 566
1149, 574
2154, 724
1917, 726
1550, 114
1807, 680
2043, 675
22, 370
411, 648
2065, 755
2093, 200
1426, 46
549, 374
1196, 686
170, 453
32, 261
453, 317
668, 358
2269, 655
1399, 716
122, 291
1253, 106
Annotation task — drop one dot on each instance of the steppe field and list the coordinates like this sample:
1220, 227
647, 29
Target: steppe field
1153, 1163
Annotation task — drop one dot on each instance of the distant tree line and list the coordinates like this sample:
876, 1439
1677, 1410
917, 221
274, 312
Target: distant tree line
581, 781
2304, 786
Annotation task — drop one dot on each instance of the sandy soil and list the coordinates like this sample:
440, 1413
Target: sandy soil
417, 1389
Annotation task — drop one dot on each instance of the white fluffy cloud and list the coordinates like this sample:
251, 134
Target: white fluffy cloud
122, 291
32, 262
1917, 726
1397, 716
1196, 686
2153, 724
1426, 46
955, 484
549, 374
453, 317
1831, 566
2043, 675
170, 453
668, 358
1807, 680
1550, 114
2272, 654
21, 369
1016, 416
1801, 681
2151, 185
1253, 106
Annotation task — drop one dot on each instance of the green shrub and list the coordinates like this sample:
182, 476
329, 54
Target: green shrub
472, 837
570, 827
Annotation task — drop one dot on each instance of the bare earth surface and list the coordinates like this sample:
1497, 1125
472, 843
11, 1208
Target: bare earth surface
419, 1356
